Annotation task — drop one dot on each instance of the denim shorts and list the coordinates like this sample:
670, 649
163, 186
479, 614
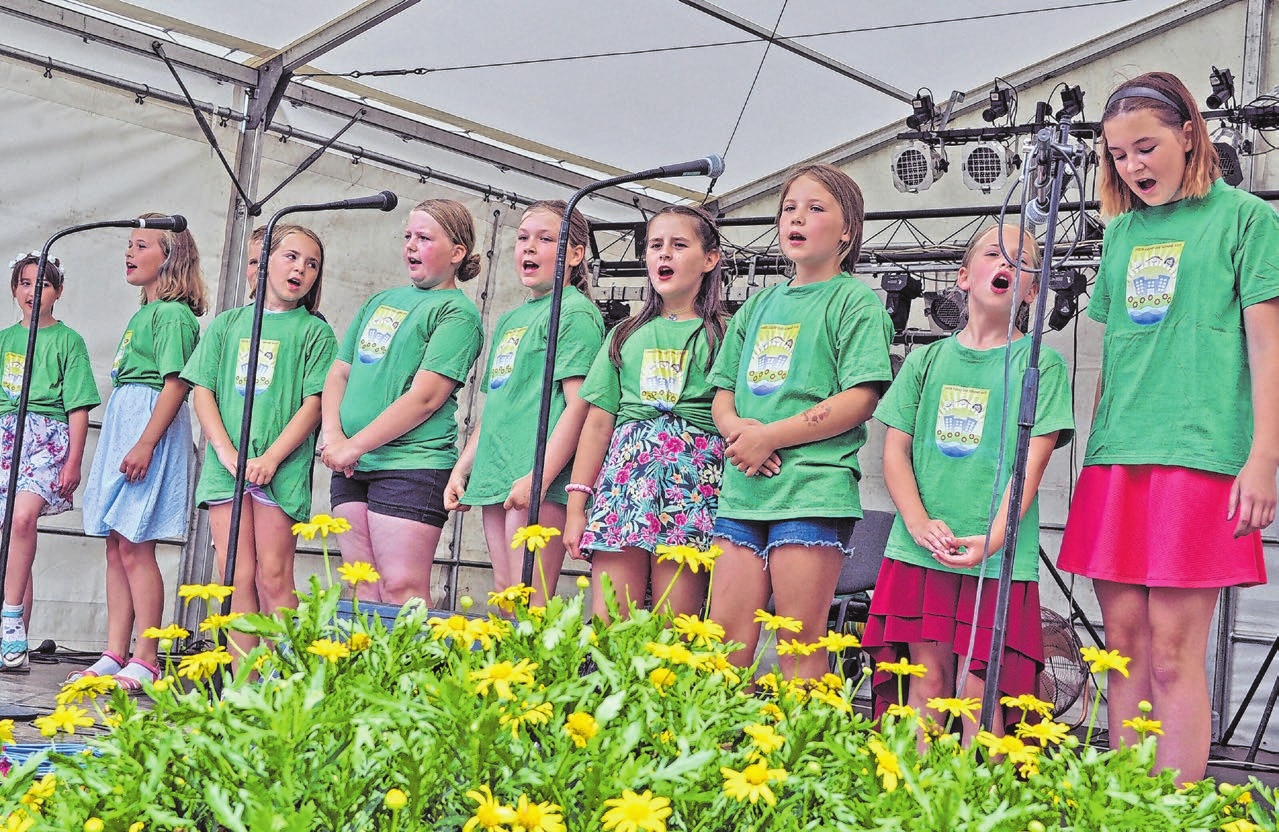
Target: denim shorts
762, 536
415, 494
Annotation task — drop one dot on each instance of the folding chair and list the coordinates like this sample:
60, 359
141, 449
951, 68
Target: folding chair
852, 603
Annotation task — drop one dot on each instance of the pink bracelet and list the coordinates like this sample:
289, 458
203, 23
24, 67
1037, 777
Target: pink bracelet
577, 486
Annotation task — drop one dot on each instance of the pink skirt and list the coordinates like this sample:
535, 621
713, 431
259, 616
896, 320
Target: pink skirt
916, 604
1158, 525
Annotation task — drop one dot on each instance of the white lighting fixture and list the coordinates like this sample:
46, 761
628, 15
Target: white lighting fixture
916, 166
988, 166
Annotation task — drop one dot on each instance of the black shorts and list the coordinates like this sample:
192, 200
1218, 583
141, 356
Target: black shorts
415, 494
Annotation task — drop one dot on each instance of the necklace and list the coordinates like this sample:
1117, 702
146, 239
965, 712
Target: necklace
674, 316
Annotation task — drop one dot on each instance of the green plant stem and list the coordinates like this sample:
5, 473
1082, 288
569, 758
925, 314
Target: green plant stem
541, 572
658, 606
1092, 718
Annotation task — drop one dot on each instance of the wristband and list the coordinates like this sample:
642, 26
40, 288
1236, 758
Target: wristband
577, 486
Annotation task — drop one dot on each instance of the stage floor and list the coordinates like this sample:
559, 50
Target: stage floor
36, 690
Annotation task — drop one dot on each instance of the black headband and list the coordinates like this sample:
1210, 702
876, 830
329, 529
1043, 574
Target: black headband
1147, 92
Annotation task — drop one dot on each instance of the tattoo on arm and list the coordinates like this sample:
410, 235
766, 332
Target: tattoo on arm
816, 414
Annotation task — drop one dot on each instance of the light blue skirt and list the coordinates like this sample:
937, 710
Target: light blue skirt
158, 505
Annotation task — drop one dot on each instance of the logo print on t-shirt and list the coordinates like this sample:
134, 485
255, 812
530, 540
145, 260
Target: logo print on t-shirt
13, 364
377, 335
961, 415
268, 355
504, 356
770, 359
120, 353
662, 378
1152, 281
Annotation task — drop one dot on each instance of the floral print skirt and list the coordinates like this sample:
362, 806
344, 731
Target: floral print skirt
45, 443
659, 486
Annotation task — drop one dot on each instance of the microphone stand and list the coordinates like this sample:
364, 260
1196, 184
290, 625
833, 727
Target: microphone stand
713, 167
1046, 148
386, 201
24, 398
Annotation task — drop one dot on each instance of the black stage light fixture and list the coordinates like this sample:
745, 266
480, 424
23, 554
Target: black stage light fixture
901, 288
924, 112
614, 312
1072, 102
1223, 88
1066, 285
1229, 144
948, 310
999, 100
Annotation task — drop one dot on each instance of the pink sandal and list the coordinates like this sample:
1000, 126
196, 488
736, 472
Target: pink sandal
108, 664
131, 681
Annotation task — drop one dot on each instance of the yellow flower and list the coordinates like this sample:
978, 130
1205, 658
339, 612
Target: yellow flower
751, 783
6, 731
778, 622
1240, 825
64, 718
956, 707
764, 737
581, 726
162, 684
1017, 751
453, 627
689, 556
171, 631
203, 665
489, 814
832, 699
358, 642
703, 631
507, 599
328, 649
634, 812
359, 572
836, 642
486, 631
1028, 704
395, 800
1103, 660
137, 826
886, 765
1144, 726
662, 678
769, 682
673, 653
717, 663
40, 791
323, 525
535, 715
217, 622
583, 582
537, 817
500, 676
1046, 732
18, 821
533, 537
86, 687
205, 592
902, 668
94, 825
771, 711
794, 647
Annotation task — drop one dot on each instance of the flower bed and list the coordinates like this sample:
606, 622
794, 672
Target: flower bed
463, 724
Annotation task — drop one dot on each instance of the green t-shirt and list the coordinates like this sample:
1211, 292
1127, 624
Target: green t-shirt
943, 397
157, 342
294, 357
1173, 284
62, 379
395, 334
663, 371
513, 390
787, 349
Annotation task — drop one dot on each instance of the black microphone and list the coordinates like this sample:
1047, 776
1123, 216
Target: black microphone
385, 201
176, 223
712, 166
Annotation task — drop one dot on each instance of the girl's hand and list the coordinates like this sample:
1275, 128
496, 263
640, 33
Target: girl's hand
973, 552
750, 449
935, 536
228, 457
1252, 498
341, 456
137, 461
574, 527
260, 470
521, 492
454, 491
68, 480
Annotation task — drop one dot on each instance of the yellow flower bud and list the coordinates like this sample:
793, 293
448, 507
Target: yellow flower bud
93, 825
396, 800
466, 602
583, 582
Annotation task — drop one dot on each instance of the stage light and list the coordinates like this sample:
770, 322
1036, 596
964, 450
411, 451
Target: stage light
901, 288
916, 166
1229, 143
987, 165
614, 312
1223, 88
947, 311
924, 112
1072, 102
999, 101
1066, 285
